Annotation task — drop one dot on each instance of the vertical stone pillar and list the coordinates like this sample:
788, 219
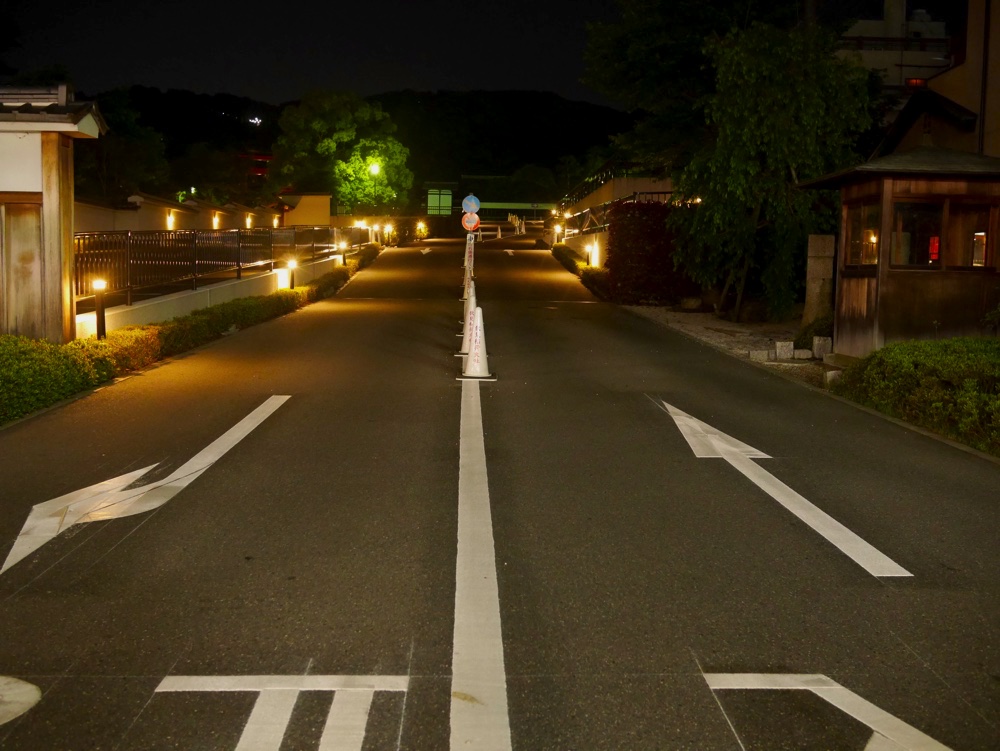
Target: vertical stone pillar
819, 278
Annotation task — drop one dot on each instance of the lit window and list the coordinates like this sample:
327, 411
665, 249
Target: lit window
863, 227
968, 227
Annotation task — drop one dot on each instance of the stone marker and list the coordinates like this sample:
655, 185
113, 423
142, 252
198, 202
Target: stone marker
822, 345
761, 355
784, 350
803, 354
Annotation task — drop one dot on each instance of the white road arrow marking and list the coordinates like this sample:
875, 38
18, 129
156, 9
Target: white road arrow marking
16, 698
114, 499
707, 442
425, 251
891, 733
509, 252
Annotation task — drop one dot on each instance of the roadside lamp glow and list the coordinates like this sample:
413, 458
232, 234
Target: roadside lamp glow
249, 221
274, 221
291, 274
170, 220
567, 215
558, 229
421, 226
342, 245
388, 229
553, 212
100, 285
376, 227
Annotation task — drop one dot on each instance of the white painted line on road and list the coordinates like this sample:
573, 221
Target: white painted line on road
708, 442
208, 683
425, 251
268, 721
509, 251
16, 697
886, 727
479, 716
109, 499
346, 721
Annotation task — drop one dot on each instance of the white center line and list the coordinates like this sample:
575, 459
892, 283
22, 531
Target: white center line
479, 718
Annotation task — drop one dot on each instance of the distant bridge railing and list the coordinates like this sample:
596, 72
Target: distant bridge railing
130, 261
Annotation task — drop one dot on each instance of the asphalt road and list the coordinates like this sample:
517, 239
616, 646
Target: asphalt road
321, 577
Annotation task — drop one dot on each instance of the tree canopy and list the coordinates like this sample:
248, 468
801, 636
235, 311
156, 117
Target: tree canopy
784, 109
328, 143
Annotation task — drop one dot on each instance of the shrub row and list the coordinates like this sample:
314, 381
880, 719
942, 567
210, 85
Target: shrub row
951, 387
37, 374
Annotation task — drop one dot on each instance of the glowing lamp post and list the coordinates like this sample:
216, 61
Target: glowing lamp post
291, 274
99, 286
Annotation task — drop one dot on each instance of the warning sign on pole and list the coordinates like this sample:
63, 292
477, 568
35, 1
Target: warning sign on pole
470, 222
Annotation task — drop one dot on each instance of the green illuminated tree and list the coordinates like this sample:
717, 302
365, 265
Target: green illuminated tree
327, 143
785, 109
357, 186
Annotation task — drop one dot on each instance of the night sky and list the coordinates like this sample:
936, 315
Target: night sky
277, 51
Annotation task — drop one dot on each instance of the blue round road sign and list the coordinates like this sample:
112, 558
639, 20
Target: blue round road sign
470, 204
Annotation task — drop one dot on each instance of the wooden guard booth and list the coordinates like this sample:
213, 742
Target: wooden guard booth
917, 251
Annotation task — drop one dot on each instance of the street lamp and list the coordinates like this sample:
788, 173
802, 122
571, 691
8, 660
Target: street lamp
99, 286
375, 169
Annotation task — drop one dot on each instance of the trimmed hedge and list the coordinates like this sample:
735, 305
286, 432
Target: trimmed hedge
640, 257
37, 374
951, 387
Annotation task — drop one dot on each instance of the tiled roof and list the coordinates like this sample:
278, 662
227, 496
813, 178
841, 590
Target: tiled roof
928, 161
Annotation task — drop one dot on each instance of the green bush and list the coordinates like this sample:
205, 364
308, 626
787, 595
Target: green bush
36, 374
568, 257
596, 280
822, 326
951, 387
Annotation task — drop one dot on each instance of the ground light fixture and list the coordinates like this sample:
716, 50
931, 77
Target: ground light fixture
100, 285
291, 274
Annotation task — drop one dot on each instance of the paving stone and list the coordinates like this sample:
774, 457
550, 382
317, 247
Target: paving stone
761, 355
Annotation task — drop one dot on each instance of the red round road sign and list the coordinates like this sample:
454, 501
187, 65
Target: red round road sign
470, 222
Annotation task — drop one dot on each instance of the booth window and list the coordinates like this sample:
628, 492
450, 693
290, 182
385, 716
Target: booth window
863, 225
968, 231
916, 234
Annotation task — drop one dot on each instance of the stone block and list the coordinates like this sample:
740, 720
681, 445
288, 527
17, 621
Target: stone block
784, 350
831, 376
761, 355
803, 354
822, 346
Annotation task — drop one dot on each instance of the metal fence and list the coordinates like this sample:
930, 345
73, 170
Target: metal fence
131, 261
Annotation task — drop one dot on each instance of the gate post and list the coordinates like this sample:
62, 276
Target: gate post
37, 128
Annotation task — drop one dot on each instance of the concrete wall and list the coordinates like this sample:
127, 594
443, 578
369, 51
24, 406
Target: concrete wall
621, 187
182, 303
151, 213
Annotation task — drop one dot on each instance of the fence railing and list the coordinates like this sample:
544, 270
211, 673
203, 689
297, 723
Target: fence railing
129, 261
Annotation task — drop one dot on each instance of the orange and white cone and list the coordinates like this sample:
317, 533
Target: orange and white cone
476, 366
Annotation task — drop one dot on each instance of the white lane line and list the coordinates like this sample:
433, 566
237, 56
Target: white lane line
707, 442
479, 716
881, 722
283, 683
108, 500
276, 696
346, 722
268, 721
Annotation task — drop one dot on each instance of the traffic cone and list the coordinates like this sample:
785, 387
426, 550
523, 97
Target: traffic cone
476, 366
469, 327
470, 301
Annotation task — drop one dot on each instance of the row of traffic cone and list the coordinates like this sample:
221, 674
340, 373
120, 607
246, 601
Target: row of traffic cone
475, 367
